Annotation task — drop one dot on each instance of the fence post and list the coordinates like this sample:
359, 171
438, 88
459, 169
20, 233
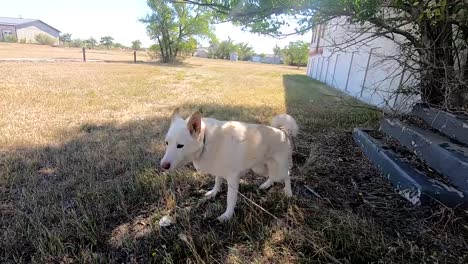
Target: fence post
326, 72
334, 68
84, 54
134, 56
365, 73
349, 71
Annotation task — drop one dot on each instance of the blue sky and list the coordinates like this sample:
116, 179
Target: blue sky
119, 19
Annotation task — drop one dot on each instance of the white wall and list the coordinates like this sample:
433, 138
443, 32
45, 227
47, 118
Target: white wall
30, 32
383, 78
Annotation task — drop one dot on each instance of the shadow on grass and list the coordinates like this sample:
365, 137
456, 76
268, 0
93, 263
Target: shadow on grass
100, 195
363, 212
177, 64
317, 106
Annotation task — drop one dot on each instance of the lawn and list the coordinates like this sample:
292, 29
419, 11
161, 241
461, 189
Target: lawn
80, 145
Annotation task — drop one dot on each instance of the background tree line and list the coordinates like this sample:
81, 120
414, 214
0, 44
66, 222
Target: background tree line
92, 43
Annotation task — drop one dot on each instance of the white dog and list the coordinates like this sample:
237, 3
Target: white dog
227, 149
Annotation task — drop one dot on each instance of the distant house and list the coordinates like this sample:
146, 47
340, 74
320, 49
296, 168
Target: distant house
234, 56
256, 58
270, 59
25, 30
201, 52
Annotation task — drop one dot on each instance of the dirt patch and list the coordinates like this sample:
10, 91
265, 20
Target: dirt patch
347, 181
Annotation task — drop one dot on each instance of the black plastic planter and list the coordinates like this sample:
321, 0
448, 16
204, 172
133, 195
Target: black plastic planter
412, 184
448, 124
447, 158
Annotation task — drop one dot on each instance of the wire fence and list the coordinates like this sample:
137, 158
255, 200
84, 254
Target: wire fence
32, 52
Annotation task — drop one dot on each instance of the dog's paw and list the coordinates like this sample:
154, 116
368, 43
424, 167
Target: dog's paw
288, 192
210, 194
224, 217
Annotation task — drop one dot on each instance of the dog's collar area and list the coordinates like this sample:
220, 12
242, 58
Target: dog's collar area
203, 147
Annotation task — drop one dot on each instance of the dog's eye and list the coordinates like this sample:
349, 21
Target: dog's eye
180, 146
167, 143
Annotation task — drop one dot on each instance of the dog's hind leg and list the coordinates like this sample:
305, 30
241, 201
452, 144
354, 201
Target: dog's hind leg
216, 188
287, 186
233, 187
283, 174
271, 168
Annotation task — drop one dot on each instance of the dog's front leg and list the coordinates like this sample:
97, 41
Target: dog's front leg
233, 186
216, 188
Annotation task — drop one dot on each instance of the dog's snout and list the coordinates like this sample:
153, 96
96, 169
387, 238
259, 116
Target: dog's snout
166, 165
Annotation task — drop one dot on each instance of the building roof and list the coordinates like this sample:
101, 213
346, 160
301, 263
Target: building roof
20, 21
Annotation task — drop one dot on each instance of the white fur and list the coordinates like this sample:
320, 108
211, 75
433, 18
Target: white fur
287, 122
227, 149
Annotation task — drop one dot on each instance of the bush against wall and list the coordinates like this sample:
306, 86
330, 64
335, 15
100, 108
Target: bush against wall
44, 39
11, 39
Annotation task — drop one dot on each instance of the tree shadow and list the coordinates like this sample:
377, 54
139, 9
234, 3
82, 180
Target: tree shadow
99, 197
177, 64
328, 161
318, 107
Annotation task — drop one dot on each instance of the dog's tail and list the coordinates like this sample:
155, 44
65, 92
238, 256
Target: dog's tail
286, 123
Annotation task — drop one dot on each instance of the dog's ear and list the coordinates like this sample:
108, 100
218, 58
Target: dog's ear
175, 114
194, 123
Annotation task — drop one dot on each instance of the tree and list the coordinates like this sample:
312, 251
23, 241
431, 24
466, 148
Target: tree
223, 49
77, 43
106, 41
136, 45
213, 49
432, 34
118, 45
154, 51
277, 51
91, 43
296, 53
189, 46
172, 24
65, 38
245, 51
226, 47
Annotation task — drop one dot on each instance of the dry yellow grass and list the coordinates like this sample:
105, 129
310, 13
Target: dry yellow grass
39, 100
79, 182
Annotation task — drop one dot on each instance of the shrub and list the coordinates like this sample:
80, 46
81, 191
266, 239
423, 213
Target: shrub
23, 40
154, 52
10, 38
44, 39
76, 43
